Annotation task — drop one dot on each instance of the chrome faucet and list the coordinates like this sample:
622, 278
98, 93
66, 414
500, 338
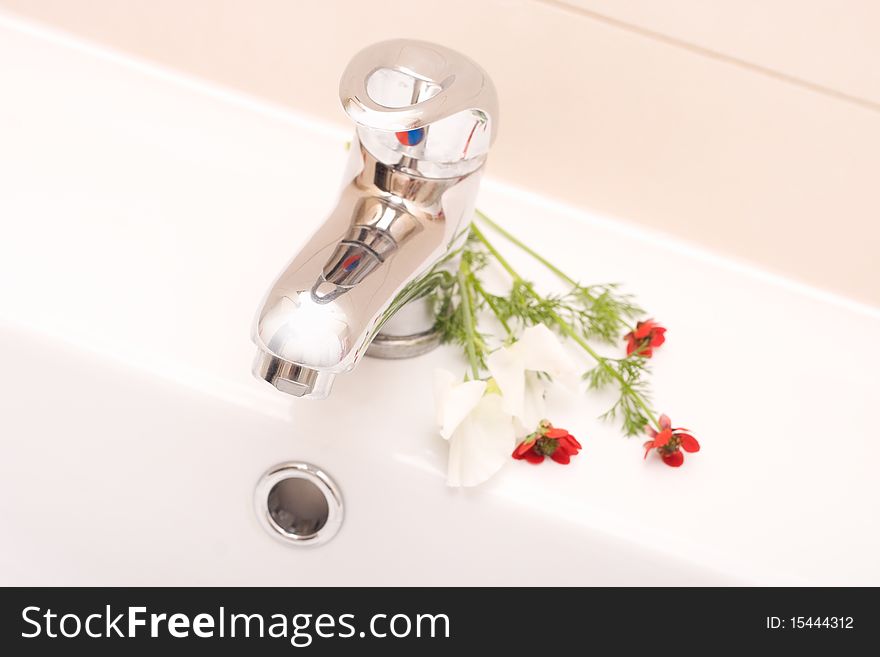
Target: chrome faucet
425, 118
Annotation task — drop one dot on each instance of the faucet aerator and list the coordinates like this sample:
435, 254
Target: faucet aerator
291, 378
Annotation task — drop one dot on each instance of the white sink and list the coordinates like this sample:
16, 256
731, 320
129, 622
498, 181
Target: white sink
143, 215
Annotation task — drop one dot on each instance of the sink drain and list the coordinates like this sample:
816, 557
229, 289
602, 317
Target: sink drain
299, 504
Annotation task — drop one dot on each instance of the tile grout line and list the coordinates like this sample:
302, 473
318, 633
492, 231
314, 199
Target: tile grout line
792, 80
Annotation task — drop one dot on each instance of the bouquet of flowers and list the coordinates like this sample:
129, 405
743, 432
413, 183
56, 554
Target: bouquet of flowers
514, 345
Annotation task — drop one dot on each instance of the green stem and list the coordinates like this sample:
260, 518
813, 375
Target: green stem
467, 307
495, 310
525, 247
564, 326
513, 239
570, 332
492, 250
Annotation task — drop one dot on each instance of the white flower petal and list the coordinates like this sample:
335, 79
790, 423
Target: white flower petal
534, 408
454, 400
542, 351
444, 381
481, 428
481, 444
507, 368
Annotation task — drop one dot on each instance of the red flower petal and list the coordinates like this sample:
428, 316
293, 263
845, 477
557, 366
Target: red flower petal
533, 457
651, 431
523, 447
649, 445
563, 446
574, 441
566, 446
556, 433
688, 442
630, 344
657, 338
643, 329
663, 438
674, 460
561, 456
665, 422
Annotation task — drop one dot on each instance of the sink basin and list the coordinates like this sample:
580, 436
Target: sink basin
144, 213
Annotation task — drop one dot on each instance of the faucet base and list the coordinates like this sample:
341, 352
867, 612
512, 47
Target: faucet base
409, 333
396, 347
291, 378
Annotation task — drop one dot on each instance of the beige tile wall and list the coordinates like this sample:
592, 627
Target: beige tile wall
757, 147
834, 44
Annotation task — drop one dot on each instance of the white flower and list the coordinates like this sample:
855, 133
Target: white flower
515, 370
480, 432
480, 421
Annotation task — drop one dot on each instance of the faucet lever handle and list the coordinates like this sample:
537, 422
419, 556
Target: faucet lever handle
403, 85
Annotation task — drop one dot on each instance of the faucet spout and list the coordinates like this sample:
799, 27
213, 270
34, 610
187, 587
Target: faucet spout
404, 203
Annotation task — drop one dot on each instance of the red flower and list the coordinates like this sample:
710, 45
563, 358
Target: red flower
670, 441
644, 338
558, 444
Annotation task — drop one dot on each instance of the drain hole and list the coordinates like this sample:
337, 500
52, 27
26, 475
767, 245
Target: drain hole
298, 507
298, 504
